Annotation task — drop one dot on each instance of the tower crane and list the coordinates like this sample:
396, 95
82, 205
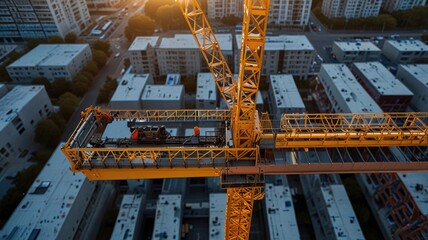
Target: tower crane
239, 156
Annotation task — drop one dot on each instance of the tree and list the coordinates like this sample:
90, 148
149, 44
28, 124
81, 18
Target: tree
59, 120
100, 58
152, 6
92, 67
425, 38
79, 88
68, 103
139, 25
126, 63
42, 81
47, 133
102, 46
43, 156
71, 37
55, 39
106, 91
170, 17
34, 42
59, 86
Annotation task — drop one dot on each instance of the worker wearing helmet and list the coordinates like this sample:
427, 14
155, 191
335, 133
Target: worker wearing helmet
196, 131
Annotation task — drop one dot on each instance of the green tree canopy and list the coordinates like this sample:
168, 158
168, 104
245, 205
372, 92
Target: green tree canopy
92, 67
55, 39
47, 133
71, 37
68, 103
102, 46
59, 86
152, 6
100, 58
170, 17
139, 25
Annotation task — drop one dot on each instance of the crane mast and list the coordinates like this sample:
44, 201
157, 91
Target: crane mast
241, 166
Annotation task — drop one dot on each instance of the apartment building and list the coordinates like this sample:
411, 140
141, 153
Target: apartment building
285, 54
414, 76
405, 51
129, 90
20, 111
401, 225
284, 95
391, 94
217, 215
397, 5
351, 8
163, 97
42, 18
348, 52
168, 217
50, 61
289, 13
142, 55
206, 91
130, 217
217, 9
59, 205
178, 54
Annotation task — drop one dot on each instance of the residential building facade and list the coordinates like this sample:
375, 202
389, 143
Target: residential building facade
217, 9
22, 19
289, 13
405, 51
351, 8
397, 5
348, 52
51, 61
414, 76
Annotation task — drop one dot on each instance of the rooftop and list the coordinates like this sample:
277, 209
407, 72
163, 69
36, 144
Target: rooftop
357, 46
416, 184
131, 87
129, 217
285, 92
162, 92
283, 42
408, 45
382, 79
357, 99
16, 99
49, 201
119, 129
418, 71
206, 87
173, 79
141, 43
168, 217
217, 215
50, 55
186, 41
280, 212
342, 215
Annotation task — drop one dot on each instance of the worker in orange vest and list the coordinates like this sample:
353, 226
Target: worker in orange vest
196, 131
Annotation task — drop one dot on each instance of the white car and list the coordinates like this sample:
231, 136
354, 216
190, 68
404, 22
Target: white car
117, 55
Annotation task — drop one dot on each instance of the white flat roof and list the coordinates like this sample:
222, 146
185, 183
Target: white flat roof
382, 79
342, 216
172, 79
49, 200
130, 87
141, 43
285, 91
186, 41
408, 45
357, 46
418, 71
50, 55
206, 87
162, 92
283, 42
357, 99
168, 217
217, 215
130, 213
280, 212
15, 100
420, 195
